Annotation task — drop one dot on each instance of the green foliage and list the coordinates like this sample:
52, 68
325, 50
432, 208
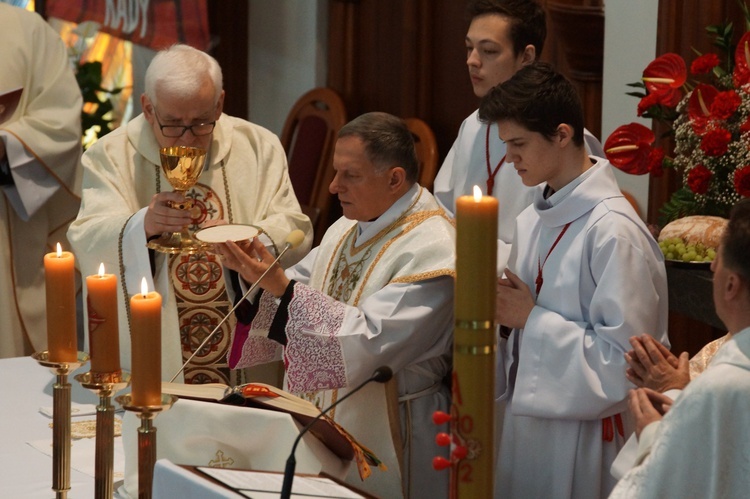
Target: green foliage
89, 77
681, 204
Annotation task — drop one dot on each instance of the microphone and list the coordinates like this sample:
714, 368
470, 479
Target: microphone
381, 375
293, 240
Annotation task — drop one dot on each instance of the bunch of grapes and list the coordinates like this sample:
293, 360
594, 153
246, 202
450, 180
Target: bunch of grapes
676, 249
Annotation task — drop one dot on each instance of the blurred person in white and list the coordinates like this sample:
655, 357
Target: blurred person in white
40, 172
126, 203
696, 444
504, 36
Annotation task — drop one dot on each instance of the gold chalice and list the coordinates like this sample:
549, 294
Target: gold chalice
182, 165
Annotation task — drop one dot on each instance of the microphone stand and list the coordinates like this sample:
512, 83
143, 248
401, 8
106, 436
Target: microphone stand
287, 247
381, 375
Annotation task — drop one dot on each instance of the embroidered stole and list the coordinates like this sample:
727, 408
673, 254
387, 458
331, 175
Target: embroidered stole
201, 297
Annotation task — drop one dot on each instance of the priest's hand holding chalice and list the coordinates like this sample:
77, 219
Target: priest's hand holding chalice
182, 165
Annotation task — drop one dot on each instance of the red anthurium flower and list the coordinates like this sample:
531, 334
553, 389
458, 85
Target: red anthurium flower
664, 77
699, 106
628, 148
647, 101
742, 181
742, 61
699, 179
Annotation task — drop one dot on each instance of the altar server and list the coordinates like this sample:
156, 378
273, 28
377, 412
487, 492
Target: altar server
126, 203
40, 171
696, 445
504, 36
377, 291
584, 276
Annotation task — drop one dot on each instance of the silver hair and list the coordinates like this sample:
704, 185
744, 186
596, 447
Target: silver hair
180, 69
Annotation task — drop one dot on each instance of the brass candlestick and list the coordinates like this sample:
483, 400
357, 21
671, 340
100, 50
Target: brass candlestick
60, 419
146, 439
105, 385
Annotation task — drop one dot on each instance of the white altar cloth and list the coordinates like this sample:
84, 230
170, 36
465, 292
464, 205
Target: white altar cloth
171, 480
215, 435
25, 471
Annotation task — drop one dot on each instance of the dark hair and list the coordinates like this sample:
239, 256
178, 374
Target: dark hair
528, 25
538, 98
388, 142
735, 245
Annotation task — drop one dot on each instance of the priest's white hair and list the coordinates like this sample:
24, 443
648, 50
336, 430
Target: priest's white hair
181, 70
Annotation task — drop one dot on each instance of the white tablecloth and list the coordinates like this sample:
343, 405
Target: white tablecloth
25, 472
214, 435
260, 439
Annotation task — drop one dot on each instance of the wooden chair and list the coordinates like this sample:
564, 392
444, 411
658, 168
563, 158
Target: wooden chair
309, 137
427, 153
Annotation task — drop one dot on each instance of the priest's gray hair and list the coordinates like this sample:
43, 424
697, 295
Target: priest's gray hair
388, 142
181, 70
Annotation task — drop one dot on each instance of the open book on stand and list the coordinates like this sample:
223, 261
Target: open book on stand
263, 396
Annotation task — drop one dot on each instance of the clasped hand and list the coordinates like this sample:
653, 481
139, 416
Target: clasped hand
513, 301
647, 406
653, 366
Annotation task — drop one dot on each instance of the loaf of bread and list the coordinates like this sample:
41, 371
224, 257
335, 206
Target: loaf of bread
696, 229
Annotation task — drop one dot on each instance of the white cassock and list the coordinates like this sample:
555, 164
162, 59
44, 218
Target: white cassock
604, 282
245, 180
372, 294
466, 166
700, 448
43, 145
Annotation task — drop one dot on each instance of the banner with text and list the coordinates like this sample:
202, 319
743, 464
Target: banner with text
153, 23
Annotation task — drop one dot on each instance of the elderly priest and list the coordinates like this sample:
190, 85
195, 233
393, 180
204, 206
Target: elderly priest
127, 200
377, 291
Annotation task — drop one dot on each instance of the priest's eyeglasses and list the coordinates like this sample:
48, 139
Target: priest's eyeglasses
174, 131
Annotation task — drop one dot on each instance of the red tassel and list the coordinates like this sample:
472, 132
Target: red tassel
443, 439
440, 417
440, 463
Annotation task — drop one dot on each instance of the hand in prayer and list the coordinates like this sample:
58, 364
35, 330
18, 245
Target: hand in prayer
647, 406
513, 301
160, 217
653, 366
250, 259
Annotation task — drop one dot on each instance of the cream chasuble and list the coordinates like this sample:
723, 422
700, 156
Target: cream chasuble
245, 181
43, 145
699, 449
370, 295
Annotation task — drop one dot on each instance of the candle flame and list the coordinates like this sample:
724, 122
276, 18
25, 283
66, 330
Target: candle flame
477, 193
59, 250
101, 269
144, 288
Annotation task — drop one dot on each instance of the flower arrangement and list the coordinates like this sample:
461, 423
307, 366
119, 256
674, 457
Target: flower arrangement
97, 113
710, 122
